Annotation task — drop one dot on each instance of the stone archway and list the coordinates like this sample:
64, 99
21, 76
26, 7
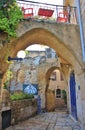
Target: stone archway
46, 37
51, 101
50, 95
41, 36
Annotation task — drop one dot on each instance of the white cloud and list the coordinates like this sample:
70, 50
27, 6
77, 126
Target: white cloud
37, 47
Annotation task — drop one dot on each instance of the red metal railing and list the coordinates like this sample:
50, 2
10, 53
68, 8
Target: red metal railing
57, 13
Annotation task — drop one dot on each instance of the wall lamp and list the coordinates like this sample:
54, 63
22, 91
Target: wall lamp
20, 56
16, 58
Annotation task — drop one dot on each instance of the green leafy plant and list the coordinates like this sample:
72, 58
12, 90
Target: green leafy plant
9, 75
10, 16
21, 96
5, 85
64, 96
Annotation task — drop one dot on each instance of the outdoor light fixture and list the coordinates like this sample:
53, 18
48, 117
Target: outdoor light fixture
20, 56
16, 58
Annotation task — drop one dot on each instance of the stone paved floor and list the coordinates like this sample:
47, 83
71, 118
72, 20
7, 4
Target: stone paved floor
48, 121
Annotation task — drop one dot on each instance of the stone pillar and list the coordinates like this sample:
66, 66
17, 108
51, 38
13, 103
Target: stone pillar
42, 84
42, 95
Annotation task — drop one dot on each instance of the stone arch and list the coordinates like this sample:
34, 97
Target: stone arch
49, 104
45, 37
49, 71
50, 100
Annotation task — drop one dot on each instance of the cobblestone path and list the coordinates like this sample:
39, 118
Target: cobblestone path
48, 121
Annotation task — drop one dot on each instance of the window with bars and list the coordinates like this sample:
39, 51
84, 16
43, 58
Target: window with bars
53, 76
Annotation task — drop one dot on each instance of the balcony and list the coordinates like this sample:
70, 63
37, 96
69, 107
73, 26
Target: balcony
47, 12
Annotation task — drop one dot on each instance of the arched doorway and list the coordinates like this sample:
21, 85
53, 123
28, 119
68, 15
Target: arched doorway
56, 90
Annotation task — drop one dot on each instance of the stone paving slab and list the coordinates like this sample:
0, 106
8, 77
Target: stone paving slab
48, 121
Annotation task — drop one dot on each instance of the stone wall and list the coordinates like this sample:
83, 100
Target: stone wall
82, 116
22, 109
50, 103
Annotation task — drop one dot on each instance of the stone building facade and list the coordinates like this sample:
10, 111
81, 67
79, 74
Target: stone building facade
80, 4
59, 86
26, 72
82, 9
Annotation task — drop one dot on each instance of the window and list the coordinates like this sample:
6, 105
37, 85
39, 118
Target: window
53, 76
58, 93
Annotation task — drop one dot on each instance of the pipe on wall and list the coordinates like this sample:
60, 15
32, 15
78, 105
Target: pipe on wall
81, 30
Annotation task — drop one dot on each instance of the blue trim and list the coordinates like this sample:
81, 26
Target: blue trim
81, 30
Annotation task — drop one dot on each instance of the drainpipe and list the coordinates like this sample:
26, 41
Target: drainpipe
81, 30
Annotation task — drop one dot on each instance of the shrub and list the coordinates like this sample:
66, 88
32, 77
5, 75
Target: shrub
21, 96
10, 17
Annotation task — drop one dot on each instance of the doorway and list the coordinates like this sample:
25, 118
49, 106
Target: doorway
73, 95
6, 119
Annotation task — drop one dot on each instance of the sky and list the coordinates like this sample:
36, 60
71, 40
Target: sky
56, 2
36, 47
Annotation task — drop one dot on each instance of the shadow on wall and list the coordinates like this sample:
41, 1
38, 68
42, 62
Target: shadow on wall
50, 100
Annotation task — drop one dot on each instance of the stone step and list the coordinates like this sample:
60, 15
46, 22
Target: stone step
63, 110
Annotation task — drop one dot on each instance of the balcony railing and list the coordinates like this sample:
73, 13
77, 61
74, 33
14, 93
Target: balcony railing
48, 12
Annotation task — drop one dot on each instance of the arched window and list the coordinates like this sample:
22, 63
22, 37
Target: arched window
58, 93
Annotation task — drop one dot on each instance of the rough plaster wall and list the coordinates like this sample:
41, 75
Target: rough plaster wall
23, 73
78, 98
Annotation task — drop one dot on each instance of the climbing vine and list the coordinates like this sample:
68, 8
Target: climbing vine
10, 16
9, 76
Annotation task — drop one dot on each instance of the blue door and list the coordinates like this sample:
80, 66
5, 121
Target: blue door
73, 95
